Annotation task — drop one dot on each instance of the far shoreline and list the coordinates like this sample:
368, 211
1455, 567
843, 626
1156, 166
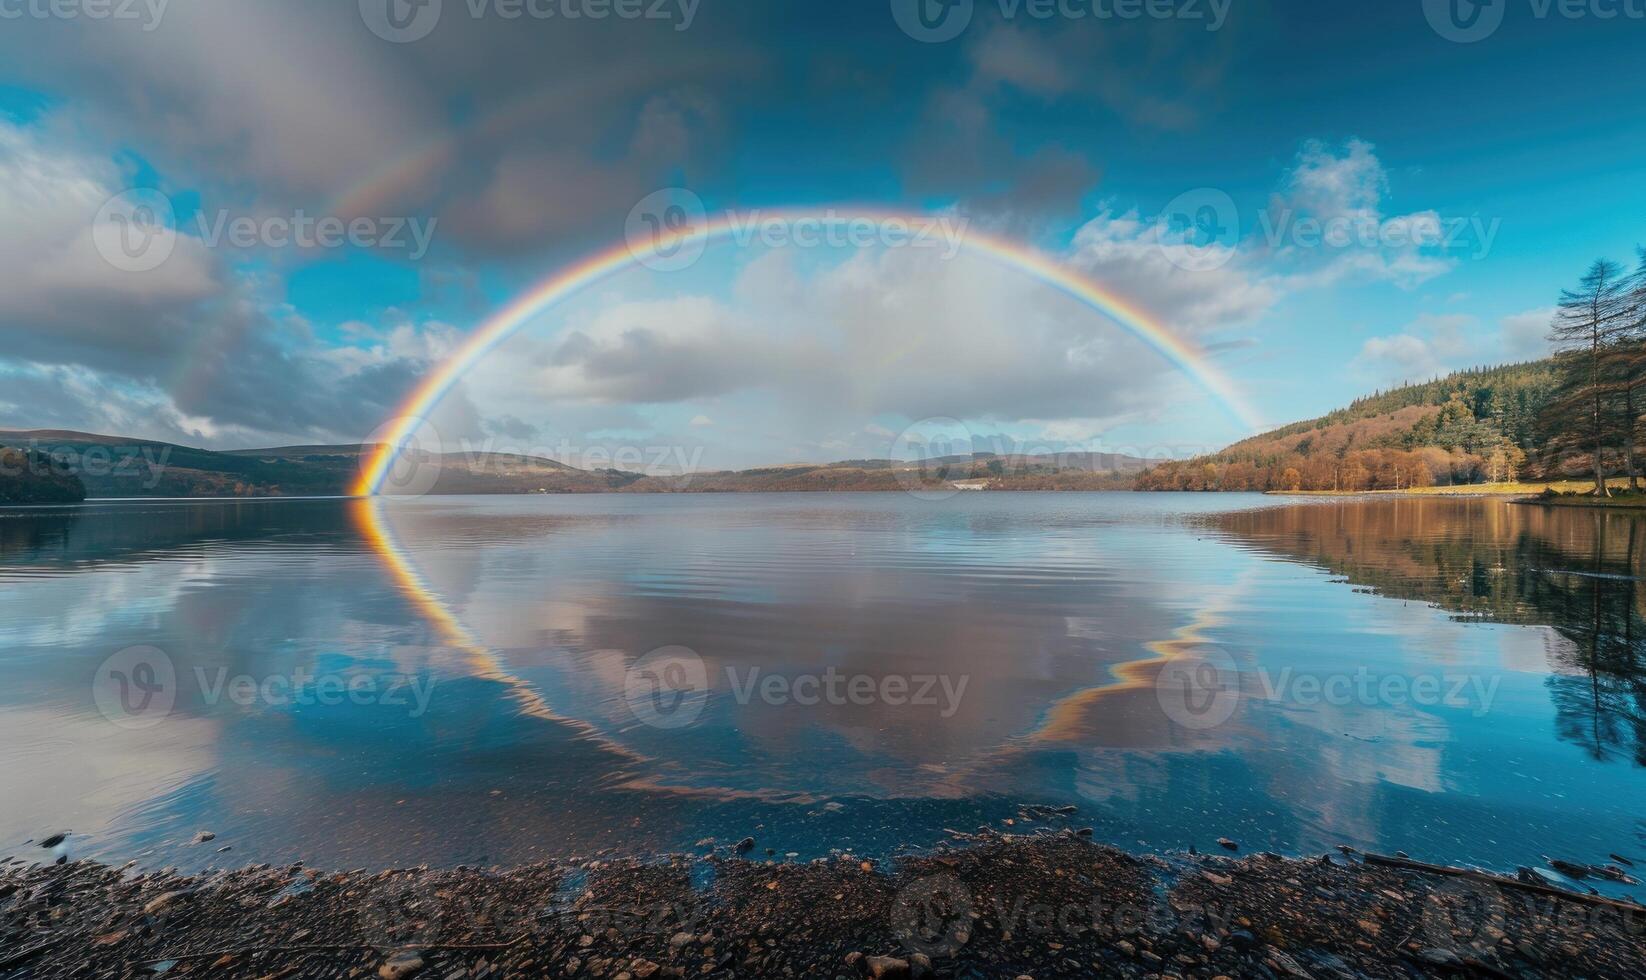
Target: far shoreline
1557, 494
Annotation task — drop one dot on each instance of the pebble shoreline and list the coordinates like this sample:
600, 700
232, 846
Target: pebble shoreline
992, 905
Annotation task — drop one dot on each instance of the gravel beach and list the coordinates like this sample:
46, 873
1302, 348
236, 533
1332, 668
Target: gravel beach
991, 905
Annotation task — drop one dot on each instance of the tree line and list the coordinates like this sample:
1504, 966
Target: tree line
1482, 425
1599, 336
1577, 414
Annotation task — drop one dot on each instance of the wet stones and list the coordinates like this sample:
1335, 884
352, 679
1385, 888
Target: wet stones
887, 968
403, 964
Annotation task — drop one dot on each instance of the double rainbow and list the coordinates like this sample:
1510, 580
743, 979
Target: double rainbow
562, 285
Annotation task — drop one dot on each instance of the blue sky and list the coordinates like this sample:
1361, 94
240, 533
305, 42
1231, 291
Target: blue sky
519, 145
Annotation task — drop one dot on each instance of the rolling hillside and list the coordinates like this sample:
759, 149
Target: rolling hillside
1468, 427
32, 478
981, 471
114, 466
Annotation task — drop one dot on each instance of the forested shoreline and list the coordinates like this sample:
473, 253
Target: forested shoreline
1575, 414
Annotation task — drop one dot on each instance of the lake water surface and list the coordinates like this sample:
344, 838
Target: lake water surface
473, 680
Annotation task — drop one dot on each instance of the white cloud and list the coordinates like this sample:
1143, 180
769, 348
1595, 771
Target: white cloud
815, 346
1328, 224
1428, 347
1127, 252
1525, 336
1331, 184
1007, 54
50, 268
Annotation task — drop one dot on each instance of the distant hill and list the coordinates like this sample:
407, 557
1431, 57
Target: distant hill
32, 478
1468, 427
980, 471
114, 466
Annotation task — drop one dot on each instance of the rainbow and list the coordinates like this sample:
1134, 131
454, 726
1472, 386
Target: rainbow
566, 283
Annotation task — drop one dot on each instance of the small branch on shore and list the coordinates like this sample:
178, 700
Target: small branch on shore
1407, 864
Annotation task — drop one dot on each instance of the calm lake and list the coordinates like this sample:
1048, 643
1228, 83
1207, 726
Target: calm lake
473, 680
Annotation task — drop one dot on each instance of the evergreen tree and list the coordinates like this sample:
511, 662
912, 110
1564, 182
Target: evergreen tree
1629, 362
1588, 322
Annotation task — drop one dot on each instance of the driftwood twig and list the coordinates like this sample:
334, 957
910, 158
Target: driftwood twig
1471, 874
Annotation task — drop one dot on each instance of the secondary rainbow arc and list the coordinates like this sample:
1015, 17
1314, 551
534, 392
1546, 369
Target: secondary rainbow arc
564, 284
